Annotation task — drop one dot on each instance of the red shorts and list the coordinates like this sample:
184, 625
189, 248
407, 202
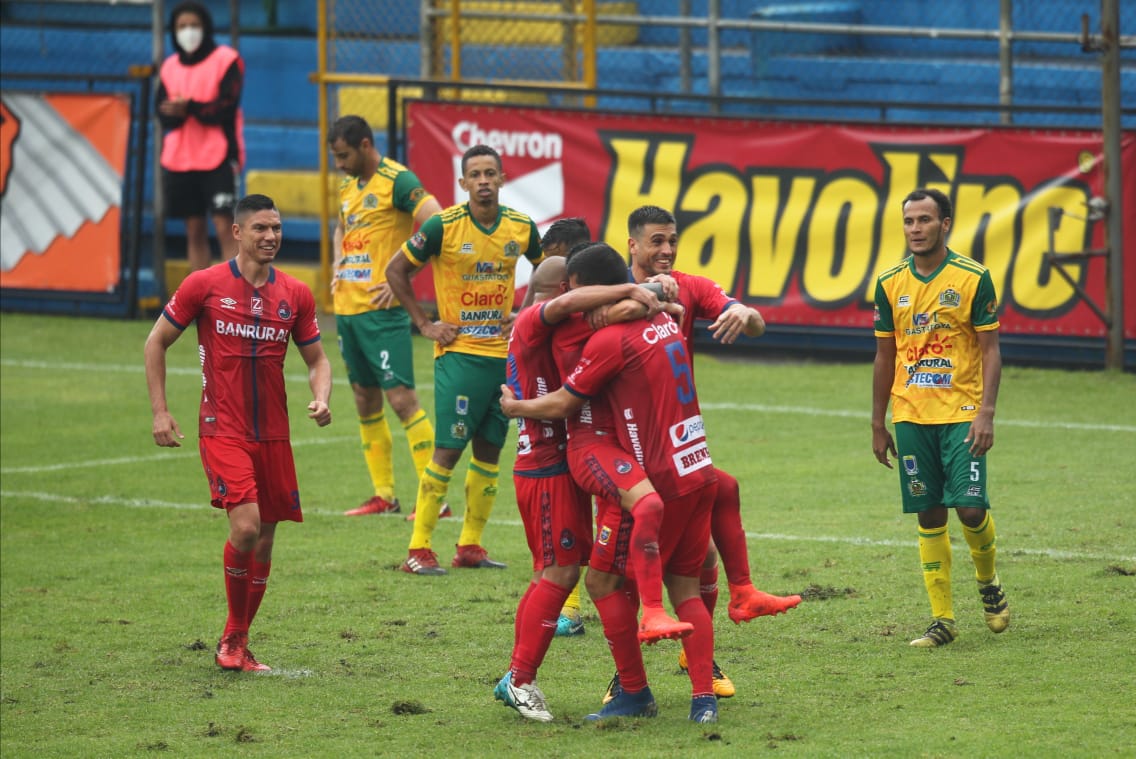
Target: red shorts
557, 516
601, 466
683, 537
242, 471
613, 536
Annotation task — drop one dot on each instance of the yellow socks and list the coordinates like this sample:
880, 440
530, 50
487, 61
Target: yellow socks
935, 555
480, 495
982, 548
572, 602
377, 446
432, 488
420, 438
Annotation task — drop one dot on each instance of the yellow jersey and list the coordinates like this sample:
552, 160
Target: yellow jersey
377, 216
935, 321
474, 269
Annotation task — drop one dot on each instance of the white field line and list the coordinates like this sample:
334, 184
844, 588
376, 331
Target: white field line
149, 503
733, 407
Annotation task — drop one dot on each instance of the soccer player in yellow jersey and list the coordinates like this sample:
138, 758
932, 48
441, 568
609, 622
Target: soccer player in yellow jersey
474, 247
380, 201
937, 357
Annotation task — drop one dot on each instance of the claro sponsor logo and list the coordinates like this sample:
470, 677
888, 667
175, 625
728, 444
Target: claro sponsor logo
466, 134
656, 332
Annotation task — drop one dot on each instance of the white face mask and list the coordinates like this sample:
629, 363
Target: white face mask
189, 37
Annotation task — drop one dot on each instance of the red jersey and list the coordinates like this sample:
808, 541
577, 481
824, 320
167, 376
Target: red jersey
643, 370
567, 346
702, 298
532, 373
242, 337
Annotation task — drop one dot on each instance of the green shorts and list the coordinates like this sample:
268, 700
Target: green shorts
936, 468
377, 348
467, 400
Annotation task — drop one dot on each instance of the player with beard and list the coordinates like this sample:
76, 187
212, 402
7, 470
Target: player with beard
653, 245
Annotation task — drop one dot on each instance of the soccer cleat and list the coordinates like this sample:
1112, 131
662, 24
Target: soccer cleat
747, 602
569, 625
527, 699
723, 685
641, 704
231, 651
443, 512
422, 561
474, 557
614, 688
941, 632
250, 664
500, 692
704, 710
657, 625
375, 505
994, 606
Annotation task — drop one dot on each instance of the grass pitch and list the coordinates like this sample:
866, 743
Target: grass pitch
111, 594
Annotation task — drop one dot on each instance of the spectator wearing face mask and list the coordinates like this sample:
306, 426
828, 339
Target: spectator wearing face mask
199, 97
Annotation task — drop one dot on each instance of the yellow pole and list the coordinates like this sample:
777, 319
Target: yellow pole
455, 40
323, 282
590, 75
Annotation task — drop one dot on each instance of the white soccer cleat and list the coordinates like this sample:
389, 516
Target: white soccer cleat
528, 700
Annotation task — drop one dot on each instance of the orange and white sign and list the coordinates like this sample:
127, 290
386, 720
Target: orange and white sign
62, 162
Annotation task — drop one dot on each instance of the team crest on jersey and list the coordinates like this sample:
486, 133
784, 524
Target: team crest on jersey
512, 249
567, 540
461, 405
284, 311
458, 430
416, 195
370, 201
257, 305
622, 467
222, 488
917, 488
903, 302
910, 465
418, 240
604, 536
949, 298
992, 306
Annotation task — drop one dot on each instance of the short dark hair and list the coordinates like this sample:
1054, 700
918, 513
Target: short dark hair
477, 150
644, 215
941, 200
568, 232
352, 130
250, 204
597, 264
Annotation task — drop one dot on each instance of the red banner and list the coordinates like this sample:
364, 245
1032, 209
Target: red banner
798, 219
62, 159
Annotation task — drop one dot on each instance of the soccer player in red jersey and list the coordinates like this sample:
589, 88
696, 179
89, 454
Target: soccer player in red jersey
247, 312
653, 245
556, 513
643, 373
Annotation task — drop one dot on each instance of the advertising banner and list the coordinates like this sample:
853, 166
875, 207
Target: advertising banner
797, 219
62, 162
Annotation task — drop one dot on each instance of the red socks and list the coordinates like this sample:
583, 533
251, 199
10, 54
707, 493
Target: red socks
708, 588
621, 629
727, 531
258, 583
237, 588
542, 605
698, 646
646, 565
